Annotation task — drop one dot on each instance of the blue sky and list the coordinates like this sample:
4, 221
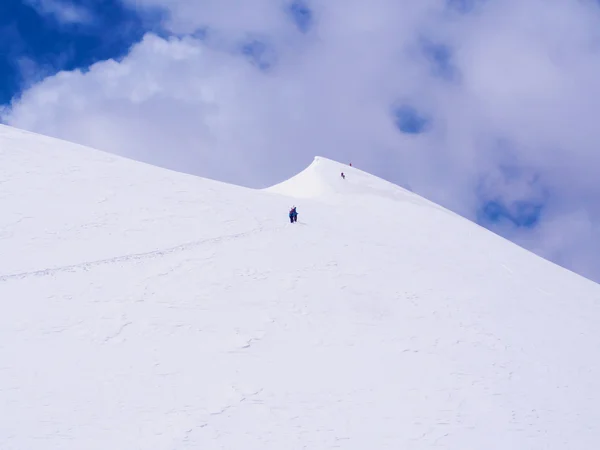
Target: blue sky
36, 42
471, 106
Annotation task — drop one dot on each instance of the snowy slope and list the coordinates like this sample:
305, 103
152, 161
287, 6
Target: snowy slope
146, 309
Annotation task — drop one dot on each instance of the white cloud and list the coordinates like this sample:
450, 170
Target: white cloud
515, 120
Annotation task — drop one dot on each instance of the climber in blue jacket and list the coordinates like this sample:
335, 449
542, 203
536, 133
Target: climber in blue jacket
293, 215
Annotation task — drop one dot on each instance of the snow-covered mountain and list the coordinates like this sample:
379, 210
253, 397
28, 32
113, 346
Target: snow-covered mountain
147, 309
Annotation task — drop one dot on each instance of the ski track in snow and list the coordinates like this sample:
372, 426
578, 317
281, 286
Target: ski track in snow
84, 266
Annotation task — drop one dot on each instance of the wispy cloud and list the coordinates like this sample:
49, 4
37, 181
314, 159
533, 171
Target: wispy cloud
64, 11
471, 103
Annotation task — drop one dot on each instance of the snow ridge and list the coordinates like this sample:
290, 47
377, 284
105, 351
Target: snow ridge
379, 320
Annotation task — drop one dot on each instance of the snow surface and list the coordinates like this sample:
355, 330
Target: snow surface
147, 309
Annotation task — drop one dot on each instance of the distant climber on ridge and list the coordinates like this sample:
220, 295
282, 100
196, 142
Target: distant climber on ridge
293, 215
343, 176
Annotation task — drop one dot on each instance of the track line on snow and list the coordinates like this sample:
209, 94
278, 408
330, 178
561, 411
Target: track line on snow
130, 257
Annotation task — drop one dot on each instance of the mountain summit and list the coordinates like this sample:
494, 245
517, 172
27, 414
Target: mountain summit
144, 308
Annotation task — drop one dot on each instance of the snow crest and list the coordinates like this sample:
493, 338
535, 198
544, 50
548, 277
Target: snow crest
144, 308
